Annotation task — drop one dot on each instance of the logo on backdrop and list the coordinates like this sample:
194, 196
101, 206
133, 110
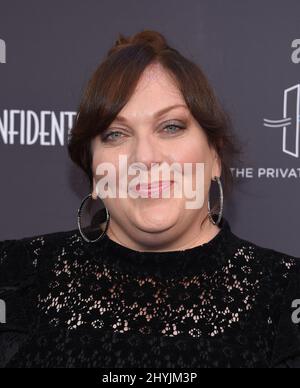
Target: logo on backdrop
290, 126
290, 123
44, 128
2, 51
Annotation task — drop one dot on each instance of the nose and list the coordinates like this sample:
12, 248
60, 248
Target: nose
147, 151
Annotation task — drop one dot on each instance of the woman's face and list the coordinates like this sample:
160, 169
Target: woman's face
151, 139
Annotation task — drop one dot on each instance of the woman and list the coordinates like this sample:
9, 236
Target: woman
154, 284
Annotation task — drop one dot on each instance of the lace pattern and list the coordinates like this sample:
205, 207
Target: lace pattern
79, 304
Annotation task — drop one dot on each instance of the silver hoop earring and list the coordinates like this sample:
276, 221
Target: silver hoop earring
221, 203
79, 215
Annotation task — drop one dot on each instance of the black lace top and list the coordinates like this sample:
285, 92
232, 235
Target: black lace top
227, 303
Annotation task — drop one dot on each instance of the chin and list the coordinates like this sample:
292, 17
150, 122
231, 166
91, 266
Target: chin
155, 224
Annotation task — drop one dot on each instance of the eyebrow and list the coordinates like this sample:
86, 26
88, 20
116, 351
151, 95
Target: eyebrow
156, 114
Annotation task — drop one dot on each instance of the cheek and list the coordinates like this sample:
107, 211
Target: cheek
195, 151
194, 147
104, 156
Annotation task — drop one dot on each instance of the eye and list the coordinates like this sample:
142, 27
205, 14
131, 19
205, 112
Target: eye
174, 128
111, 136
114, 136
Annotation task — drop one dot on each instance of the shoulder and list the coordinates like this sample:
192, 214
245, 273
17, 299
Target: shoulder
277, 280
268, 262
275, 277
272, 274
20, 258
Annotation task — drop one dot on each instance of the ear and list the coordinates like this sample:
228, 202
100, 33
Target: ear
94, 193
217, 165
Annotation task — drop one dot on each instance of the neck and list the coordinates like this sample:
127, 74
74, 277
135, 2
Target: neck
199, 236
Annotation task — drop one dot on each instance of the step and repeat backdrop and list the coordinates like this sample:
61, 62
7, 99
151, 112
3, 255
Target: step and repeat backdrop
250, 51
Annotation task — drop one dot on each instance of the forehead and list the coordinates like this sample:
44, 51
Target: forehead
155, 91
157, 79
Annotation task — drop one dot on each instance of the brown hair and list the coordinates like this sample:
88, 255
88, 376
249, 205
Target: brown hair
114, 81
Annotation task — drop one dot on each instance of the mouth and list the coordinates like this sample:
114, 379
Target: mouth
152, 188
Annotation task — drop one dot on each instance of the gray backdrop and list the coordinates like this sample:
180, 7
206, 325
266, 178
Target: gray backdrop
248, 49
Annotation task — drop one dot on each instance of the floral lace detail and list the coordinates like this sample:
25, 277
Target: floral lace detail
218, 304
